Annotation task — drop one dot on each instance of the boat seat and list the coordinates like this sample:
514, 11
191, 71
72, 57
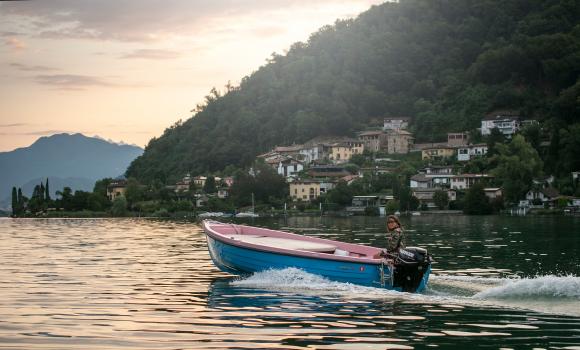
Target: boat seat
285, 243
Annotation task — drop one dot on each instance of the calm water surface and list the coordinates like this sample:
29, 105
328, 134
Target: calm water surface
500, 282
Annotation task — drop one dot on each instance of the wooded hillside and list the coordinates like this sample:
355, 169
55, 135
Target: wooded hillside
446, 63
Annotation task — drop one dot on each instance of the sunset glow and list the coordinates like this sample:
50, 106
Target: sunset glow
126, 70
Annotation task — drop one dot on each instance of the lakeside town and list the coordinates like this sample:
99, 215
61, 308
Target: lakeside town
380, 170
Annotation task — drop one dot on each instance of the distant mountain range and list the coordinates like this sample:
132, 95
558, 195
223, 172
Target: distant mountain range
76, 161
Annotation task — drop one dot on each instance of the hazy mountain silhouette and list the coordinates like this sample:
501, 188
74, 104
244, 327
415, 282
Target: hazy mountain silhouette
76, 161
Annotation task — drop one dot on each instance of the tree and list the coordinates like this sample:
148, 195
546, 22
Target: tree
341, 194
518, 163
133, 192
15, 210
21, 200
209, 185
476, 202
66, 198
101, 185
441, 199
47, 191
119, 207
495, 138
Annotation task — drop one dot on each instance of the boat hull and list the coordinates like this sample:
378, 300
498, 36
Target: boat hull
243, 260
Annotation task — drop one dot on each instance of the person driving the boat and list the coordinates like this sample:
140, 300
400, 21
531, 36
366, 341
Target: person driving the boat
394, 234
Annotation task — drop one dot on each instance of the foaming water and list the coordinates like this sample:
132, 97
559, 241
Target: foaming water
552, 294
150, 284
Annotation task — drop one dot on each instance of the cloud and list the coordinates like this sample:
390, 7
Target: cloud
152, 54
15, 44
30, 68
71, 81
12, 125
9, 34
148, 20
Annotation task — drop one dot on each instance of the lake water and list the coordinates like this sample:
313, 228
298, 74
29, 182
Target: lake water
499, 282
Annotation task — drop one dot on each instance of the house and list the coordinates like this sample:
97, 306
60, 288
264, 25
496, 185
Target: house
438, 170
223, 193
304, 190
437, 152
545, 194
327, 185
183, 185
465, 153
376, 170
286, 166
342, 151
373, 140
396, 123
420, 181
349, 178
360, 203
465, 181
116, 188
201, 201
425, 195
440, 175
199, 181
493, 192
507, 122
268, 156
310, 153
228, 181
419, 147
398, 142
327, 171
290, 151
457, 139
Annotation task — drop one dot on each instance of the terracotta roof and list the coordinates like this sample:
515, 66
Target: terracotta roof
420, 178
293, 148
550, 192
371, 133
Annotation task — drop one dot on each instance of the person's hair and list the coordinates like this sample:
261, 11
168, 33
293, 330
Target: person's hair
395, 219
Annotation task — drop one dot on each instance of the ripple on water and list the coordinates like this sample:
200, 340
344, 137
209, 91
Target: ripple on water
138, 284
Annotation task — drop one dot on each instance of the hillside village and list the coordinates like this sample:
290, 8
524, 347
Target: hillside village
313, 169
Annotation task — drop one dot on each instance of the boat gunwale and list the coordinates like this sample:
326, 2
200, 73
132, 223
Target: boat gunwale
288, 252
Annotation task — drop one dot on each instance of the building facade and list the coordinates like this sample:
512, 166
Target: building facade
399, 142
465, 153
304, 190
396, 123
507, 122
373, 140
437, 153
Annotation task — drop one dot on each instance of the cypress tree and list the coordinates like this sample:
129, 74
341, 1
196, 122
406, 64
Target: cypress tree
47, 193
41, 192
14, 201
20, 201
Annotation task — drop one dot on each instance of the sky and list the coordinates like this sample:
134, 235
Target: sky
125, 70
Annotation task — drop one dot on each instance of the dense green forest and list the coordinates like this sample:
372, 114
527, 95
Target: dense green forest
446, 63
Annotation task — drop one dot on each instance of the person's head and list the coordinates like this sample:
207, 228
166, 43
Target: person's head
393, 222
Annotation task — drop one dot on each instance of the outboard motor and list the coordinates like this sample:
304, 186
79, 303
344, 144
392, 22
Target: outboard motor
411, 263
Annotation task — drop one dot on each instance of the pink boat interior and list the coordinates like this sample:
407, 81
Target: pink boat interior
285, 242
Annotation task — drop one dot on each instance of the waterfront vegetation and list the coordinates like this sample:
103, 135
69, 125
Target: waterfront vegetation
515, 164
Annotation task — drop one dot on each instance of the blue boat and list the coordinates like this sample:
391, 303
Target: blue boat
241, 249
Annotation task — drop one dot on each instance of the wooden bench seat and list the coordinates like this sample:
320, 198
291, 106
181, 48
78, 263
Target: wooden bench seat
285, 243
